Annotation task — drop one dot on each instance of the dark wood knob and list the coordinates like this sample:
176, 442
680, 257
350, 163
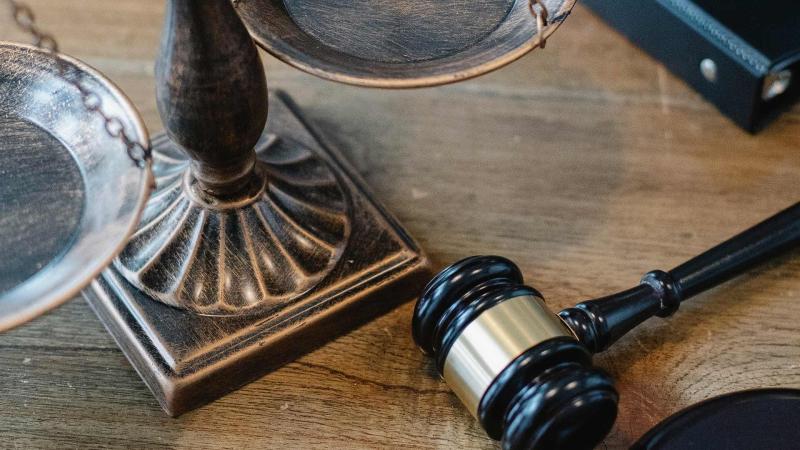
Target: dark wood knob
212, 91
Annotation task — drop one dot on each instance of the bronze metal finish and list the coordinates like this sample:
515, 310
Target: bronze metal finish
259, 243
188, 358
401, 44
70, 195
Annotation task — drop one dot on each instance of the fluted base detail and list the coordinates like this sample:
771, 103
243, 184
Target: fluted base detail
224, 257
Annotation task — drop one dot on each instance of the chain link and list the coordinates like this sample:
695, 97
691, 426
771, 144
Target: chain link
539, 11
25, 19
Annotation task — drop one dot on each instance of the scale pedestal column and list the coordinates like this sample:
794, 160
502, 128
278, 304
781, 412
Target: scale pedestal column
259, 244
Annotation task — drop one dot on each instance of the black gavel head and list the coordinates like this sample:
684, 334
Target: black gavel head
514, 364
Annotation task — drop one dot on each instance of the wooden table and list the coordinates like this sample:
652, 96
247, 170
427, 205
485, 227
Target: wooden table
587, 163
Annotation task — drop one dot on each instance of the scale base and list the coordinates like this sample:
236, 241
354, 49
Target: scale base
188, 359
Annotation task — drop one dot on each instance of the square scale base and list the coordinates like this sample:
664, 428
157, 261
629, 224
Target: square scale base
188, 360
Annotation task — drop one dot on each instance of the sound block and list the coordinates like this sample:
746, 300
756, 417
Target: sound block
760, 418
188, 358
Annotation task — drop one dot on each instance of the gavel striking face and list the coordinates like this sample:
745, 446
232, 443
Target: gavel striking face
526, 373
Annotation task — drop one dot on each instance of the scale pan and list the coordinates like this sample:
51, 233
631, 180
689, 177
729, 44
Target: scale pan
400, 43
69, 194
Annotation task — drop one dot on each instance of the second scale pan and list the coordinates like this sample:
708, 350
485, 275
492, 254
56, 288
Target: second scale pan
400, 43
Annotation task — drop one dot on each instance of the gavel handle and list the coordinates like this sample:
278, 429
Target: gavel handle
599, 323
777, 234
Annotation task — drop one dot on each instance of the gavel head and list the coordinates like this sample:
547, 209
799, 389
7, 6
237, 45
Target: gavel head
514, 364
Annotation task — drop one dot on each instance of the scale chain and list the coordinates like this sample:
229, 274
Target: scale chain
539, 11
23, 16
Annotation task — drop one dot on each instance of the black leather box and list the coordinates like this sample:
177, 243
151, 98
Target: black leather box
743, 56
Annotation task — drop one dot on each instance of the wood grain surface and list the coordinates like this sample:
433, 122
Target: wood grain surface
586, 163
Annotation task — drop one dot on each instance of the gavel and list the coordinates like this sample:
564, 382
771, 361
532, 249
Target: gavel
525, 373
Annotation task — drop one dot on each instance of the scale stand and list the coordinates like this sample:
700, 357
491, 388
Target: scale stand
259, 244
